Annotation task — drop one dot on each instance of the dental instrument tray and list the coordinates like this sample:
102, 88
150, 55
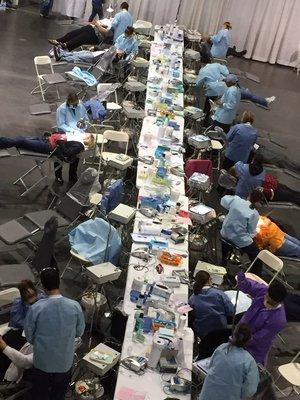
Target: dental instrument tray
200, 142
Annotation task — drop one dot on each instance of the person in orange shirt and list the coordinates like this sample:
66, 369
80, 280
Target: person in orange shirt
270, 237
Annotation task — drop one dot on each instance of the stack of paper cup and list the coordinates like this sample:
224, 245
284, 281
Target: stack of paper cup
157, 347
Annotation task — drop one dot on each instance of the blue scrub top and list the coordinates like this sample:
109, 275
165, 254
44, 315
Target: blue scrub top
120, 22
230, 104
211, 77
129, 45
247, 182
232, 375
68, 117
211, 309
241, 139
221, 43
239, 226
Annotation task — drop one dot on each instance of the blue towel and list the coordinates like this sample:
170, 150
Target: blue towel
97, 241
85, 76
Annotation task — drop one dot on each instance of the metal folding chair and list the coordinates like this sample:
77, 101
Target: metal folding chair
39, 159
46, 80
273, 263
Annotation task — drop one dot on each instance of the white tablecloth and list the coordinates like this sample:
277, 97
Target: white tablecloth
151, 382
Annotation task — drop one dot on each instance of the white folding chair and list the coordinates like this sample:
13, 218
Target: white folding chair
117, 160
272, 262
291, 373
42, 61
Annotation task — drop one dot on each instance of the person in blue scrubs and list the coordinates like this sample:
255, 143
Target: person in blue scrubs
211, 306
70, 113
239, 226
241, 139
119, 24
228, 104
233, 373
221, 41
250, 176
212, 76
126, 46
51, 326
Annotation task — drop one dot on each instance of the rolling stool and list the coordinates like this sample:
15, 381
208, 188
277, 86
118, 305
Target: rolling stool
233, 253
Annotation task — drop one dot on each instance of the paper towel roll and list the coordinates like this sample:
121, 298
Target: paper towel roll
157, 347
137, 284
181, 323
161, 131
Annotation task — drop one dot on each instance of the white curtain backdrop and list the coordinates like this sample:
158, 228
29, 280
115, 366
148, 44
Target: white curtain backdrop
268, 29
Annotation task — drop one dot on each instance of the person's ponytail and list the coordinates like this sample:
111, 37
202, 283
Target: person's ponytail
201, 279
241, 335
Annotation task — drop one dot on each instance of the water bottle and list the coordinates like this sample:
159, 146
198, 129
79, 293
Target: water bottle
139, 323
161, 170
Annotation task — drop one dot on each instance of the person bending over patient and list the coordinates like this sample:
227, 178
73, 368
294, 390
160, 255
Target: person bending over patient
232, 372
70, 113
68, 147
211, 306
270, 237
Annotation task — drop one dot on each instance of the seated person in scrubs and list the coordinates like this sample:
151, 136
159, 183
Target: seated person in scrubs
126, 47
266, 315
270, 237
241, 139
70, 113
228, 105
211, 306
232, 372
239, 226
18, 311
249, 176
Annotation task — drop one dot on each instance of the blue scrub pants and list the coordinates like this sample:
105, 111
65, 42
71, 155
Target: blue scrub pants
289, 248
36, 144
247, 95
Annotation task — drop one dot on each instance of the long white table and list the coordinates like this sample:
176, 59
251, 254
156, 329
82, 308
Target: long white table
150, 385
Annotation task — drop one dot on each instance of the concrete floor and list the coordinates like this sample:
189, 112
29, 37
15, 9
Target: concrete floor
24, 35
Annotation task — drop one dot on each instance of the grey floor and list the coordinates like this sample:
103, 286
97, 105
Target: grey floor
24, 35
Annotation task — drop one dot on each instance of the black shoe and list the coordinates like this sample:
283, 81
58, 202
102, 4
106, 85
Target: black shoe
56, 53
243, 53
59, 180
46, 135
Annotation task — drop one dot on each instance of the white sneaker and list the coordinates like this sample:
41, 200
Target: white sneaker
270, 99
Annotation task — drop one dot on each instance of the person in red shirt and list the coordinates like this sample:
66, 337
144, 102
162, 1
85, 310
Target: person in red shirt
66, 150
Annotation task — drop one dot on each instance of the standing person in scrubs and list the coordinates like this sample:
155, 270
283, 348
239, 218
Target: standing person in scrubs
232, 373
241, 139
221, 41
228, 104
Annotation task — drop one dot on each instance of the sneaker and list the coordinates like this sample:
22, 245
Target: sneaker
52, 41
270, 100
